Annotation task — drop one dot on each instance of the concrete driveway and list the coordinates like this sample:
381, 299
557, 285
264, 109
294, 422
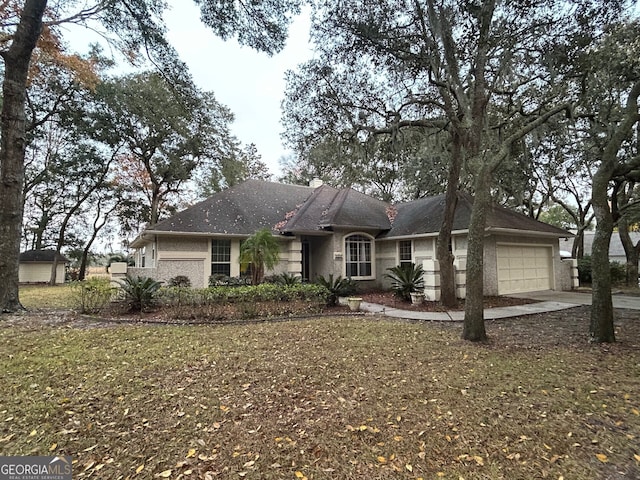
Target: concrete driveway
580, 298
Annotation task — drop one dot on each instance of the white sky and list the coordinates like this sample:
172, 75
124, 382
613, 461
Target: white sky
250, 83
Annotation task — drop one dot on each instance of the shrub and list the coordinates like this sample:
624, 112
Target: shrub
584, 269
340, 287
406, 279
283, 279
222, 303
219, 280
180, 281
140, 292
585, 275
93, 294
618, 273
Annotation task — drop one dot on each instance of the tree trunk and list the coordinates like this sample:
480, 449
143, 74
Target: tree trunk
445, 256
54, 270
601, 328
12, 148
473, 328
631, 252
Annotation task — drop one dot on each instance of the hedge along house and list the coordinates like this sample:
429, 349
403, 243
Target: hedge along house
326, 231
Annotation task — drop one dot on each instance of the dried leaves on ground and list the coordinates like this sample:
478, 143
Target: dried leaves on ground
324, 398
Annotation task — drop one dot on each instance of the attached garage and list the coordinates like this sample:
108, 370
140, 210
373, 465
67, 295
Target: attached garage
524, 268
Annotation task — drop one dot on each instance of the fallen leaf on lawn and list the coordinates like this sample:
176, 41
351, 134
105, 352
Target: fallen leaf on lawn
191, 453
33, 433
602, 457
224, 408
637, 457
381, 459
635, 411
478, 460
362, 428
250, 463
409, 467
299, 474
165, 474
53, 447
140, 468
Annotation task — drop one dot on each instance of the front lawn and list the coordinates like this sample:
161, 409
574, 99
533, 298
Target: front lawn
332, 398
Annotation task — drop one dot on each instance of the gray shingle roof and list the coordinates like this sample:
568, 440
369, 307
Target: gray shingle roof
425, 216
256, 204
240, 210
39, 256
330, 208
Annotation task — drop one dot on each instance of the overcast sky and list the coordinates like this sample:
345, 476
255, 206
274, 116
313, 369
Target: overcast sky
250, 83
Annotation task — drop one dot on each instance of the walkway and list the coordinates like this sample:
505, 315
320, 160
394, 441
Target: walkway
547, 301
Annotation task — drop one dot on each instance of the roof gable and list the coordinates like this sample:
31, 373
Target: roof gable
330, 208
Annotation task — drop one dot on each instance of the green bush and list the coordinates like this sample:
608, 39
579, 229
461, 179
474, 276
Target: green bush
180, 281
283, 279
406, 279
585, 275
221, 280
584, 269
223, 303
140, 292
340, 287
93, 294
618, 273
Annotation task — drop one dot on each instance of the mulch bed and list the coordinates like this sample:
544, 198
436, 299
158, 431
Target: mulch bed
388, 299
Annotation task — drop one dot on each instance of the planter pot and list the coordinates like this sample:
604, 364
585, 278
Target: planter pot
417, 298
354, 303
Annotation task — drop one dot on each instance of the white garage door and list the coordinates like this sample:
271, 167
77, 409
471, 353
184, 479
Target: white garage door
524, 269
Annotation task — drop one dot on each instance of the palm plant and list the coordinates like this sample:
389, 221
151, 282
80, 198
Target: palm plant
140, 292
340, 287
261, 250
406, 279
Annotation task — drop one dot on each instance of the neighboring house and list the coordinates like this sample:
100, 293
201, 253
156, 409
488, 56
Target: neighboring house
35, 266
616, 250
326, 231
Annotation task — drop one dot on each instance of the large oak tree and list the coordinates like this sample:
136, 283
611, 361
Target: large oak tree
137, 29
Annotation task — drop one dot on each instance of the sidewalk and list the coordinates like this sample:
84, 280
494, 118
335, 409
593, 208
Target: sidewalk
547, 301
458, 316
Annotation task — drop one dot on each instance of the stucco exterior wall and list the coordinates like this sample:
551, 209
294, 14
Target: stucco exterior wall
194, 269
321, 256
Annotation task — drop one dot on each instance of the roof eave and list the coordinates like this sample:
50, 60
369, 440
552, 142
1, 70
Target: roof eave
535, 233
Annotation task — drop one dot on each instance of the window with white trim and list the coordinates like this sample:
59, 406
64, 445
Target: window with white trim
221, 257
358, 256
405, 252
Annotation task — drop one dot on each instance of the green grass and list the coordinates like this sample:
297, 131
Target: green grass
334, 398
45, 296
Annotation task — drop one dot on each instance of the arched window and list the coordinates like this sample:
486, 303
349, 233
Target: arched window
358, 254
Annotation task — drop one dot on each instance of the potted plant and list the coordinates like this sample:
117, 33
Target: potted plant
417, 298
354, 303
